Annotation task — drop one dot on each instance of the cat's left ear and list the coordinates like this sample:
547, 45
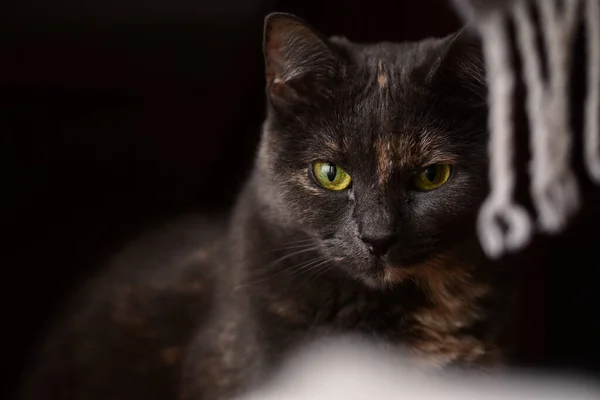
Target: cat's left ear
460, 68
299, 61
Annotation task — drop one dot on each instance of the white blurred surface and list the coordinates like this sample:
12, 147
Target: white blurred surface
349, 369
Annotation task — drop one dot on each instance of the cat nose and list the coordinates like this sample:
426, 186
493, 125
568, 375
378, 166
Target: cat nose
379, 244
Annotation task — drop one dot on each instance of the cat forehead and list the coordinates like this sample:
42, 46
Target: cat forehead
386, 78
412, 146
399, 57
390, 133
387, 96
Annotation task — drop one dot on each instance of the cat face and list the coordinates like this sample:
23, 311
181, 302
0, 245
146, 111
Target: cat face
376, 151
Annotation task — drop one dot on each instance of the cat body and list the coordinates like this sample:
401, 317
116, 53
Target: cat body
338, 229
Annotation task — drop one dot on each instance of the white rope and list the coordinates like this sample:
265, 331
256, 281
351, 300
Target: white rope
536, 91
500, 205
554, 185
592, 121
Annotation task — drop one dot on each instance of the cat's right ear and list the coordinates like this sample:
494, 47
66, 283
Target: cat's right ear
298, 59
459, 70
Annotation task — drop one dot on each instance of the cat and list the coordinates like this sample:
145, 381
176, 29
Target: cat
358, 217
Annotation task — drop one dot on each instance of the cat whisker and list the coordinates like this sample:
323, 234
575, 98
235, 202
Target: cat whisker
321, 271
274, 263
298, 269
314, 266
324, 270
285, 257
307, 266
308, 243
292, 247
296, 244
292, 243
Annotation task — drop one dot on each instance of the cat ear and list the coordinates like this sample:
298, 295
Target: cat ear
460, 68
298, 59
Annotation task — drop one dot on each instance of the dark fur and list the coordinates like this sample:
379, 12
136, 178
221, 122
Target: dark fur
175, 317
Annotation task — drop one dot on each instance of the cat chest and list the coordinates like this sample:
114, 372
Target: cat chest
437, 333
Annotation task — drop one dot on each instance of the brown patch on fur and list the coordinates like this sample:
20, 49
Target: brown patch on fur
289, 312
227, 343
411, 151
193, 287
445, 350
385, 160
219, 370
454, 294
332, 145
171, 355
382, 81
124, 311
382, 78
419, 151
200, 255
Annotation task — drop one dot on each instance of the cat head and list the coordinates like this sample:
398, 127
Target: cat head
377, 151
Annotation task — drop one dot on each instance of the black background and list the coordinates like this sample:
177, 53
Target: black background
117, 115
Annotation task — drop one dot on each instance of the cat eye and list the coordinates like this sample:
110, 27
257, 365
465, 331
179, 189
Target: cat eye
331, 176
432, 177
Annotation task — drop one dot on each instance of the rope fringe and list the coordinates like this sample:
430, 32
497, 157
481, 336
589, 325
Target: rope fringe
554, 188
500, 206
592, 122
554, 185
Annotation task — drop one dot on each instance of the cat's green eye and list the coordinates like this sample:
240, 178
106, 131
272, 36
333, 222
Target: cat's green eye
432, 177
331, 176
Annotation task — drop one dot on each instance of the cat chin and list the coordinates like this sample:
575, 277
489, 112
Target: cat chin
377, 284
380, 273
384, 279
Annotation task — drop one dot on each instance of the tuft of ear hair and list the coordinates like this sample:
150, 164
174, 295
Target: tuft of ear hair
298, 59
460, 68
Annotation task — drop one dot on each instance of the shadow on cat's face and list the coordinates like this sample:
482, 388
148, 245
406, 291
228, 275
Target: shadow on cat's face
376, 151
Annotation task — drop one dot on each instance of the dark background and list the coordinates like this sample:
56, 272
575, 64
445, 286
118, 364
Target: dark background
117, 115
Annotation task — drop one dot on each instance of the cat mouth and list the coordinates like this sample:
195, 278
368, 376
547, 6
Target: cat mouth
404, 261
388, 272
387, 276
